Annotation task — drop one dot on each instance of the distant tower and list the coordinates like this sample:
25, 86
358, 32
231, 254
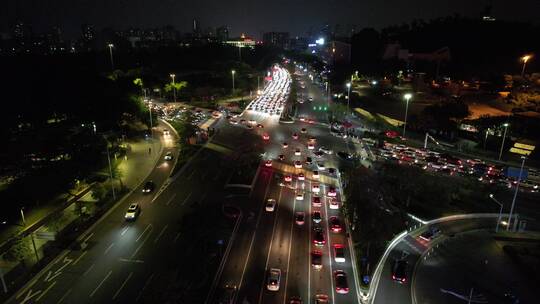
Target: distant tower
195, 26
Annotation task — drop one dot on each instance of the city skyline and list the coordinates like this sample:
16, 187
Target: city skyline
248, 17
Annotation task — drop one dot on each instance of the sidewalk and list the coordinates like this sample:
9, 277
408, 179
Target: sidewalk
137, 166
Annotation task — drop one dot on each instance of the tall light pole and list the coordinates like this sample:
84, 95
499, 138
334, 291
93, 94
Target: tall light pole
515, 193
348, 94
524, 59
500, 211
239, 53
31, 235
174, 86
504, 137
151, 127
110, 170
232, 73
407, 97
110, 45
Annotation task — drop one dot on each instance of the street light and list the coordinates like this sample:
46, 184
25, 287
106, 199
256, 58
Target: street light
174, 86
505, 125
110, 45
515, 193
524, 59
348, 93
407, 97
232, 73
151, 127
500, 211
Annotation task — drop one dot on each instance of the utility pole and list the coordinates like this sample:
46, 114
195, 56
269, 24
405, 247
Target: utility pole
515, 193
110, 171
31, 235
504, 137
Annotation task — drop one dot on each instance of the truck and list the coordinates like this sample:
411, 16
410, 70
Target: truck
513, 173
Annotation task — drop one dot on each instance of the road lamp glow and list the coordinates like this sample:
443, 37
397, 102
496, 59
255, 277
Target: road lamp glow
174, 86
232, 73
110, 45
524, 59
407, 97
505, 125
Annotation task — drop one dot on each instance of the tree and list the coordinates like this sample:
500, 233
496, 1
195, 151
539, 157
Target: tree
339, 111
18, 251
169, 87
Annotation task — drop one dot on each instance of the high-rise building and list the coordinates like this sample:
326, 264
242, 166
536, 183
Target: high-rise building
222, 33
88, 32
279, 39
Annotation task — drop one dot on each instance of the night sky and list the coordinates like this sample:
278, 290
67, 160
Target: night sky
250, 16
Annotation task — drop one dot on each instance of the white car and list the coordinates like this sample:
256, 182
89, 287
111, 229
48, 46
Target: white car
297, 152
270, 205
274, 278
168, 156
325, 150
311, 146
315, 175
300, 196
320, 166
315, 188
298, 164
133, 212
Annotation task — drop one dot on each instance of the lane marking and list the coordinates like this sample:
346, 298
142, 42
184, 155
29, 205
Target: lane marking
122, 286
124, 231
25, 289
45, 291
310, 233
147, 227
58, 272
88, 237
64, 296
89, 268
130, 260
29, 296
290, 245
48, 278
160, 234
144, 287
101, 283
176, 237
325, 203
144, 241
271, 242
171, 199
187, 197
254, 234
108, 248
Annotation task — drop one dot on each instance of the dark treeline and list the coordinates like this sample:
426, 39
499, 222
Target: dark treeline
477, 48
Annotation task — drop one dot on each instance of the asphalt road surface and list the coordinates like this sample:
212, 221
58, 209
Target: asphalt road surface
129, 261
273, 239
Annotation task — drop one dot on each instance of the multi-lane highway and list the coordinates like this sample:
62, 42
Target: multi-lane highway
145, 260
276, 239
134, 261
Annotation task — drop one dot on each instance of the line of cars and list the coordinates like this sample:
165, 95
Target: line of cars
448, 164
275, 94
